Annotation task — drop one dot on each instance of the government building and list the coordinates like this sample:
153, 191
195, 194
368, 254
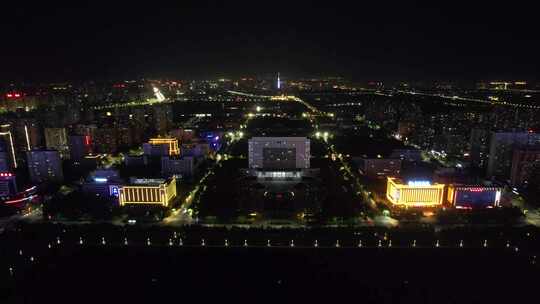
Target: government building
278, 153
143, 191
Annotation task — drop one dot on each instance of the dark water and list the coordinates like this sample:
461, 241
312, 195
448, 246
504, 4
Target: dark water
273, 275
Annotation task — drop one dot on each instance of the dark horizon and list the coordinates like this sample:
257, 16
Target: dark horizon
387, 41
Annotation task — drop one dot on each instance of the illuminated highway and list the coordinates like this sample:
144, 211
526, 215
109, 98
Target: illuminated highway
159, 99
490, 102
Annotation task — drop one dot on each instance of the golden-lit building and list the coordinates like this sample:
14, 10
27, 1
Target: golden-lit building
414, 193
171, 145
148, 191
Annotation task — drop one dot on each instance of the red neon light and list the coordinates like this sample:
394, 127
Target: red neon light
6, 174
19, 200
87, 140
9, 95
17, 95
477, 189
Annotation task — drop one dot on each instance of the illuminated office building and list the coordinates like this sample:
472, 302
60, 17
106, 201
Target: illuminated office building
524, 162
7, 144
378, 167
279, 153
407, 154
4, 162
414, 193
27, 134
161, 147
469, 197
502, 146
148, 192
79, 146
106, 140
162, 117
57, 139
104, 183
184, 166
196, 149
8, 184
44, 166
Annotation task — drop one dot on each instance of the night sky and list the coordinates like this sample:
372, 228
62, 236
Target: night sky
450, 40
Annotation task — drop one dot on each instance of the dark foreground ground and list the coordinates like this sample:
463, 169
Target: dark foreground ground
95, 274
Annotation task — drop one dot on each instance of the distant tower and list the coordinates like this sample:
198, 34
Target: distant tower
278, 82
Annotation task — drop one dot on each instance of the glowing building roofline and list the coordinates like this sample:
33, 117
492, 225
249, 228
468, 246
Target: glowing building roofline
172, 142
161, 194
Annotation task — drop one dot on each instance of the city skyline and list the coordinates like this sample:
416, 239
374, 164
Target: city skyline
284, 151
